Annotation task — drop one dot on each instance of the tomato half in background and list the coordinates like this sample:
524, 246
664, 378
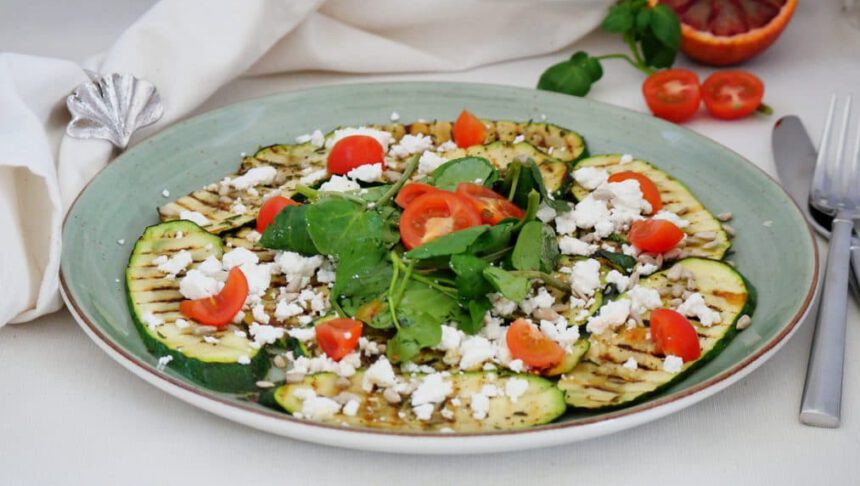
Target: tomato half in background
492, 206
468, 130
732, 94
270, 209
433, 215
646, 185
654, 235
413, 191
354, 151
672, 94
528, 344
220, 309
673, 334
338, 337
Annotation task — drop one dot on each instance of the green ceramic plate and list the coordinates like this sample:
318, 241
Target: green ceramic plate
774, 247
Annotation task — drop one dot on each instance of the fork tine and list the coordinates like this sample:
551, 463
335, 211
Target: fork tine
818, 178
839, 167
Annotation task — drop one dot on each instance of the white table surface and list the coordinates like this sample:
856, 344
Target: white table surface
70, 415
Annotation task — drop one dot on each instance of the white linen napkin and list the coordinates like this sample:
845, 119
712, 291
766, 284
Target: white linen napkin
190, 48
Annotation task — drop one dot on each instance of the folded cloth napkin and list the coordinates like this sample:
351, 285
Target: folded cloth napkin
190, 48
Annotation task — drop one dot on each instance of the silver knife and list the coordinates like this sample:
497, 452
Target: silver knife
795, 155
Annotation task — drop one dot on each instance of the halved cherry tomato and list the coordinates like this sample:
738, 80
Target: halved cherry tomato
338, 337
673, 334
219, 310
732, 94
492, 206
654, 235
433, 215
468, 130
672, 94
528, 344
411, 192
646, 185
270, 209
354, 151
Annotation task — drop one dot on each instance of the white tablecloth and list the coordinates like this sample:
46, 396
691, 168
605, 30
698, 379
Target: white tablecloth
70, 415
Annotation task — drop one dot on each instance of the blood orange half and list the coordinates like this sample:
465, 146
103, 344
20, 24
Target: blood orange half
724, 32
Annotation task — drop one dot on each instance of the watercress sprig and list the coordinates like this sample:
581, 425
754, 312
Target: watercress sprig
653, 35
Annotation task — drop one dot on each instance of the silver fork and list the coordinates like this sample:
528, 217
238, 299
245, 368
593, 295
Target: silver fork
835, 191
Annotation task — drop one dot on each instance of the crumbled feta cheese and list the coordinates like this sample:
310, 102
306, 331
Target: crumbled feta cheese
195, 285
625, 159
211, 339
317, 138
695, 306
671, 217
120, 241
238, 208
162, 361
451, 338
303, 334
574, 246
559, 332
380, 374
620, 280
384, 138
515, 388
643, 299
611, 315
585, 276
628, 204
447, 146
177, 263
516, 365
298, 269
411, 144
631, 364
165, 193
424, 411
259, 278
265, 334
238, 257
316, 407
672, 364
181, 323
254, 177
590, 213
474, 351
313, 177
351, 407
210, 267
480, 402
590, 177
366, 173
368, 347
429, 161
259, 313
194, 217
541, 300
492, 327
394, 116
339, 184
546, 213
501, 305
151, 320
646, 268
244, 360
629, 250
519, 138
767, 224
432, 389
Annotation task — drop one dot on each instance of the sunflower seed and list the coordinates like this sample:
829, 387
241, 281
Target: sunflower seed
391, 396
672, 254
664, 291
203, 330
675, 302
711, 244
743, 322
724, 216
343, 382
677, 290
686, 295
280, 361
265, 384
674, 273
705, 235
691, 284
294, 377
729, 229
659, 260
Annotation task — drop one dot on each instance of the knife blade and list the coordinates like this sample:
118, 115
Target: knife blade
794, 155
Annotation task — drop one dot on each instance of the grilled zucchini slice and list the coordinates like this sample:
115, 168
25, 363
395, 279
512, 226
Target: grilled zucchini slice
601, 381
676, 198
541, 403
215, 365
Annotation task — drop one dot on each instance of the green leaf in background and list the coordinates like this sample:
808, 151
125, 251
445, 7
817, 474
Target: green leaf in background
590, 64
470, 280
643, 21
466, 169
619, 260
619, 19
335, 225
566, 77
656, 53
450, 244
513, 287
665, 26
289, 231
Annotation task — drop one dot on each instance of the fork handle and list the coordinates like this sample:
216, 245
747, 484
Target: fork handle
822, 395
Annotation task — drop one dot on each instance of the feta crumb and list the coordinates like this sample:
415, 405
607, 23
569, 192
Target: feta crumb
317, 138
211, 339
339, 184
366, 173
625, 159
519, 138
585, 276
162, 362
351, 408
643, 299
316, 407
574, 246
695, 306
120, 241
254, 177
177, 263
424, 411
590, 213
515, 388
432, 389
480, 402
546, 213
259, 313
611, 315
631, 363
151, 320
380, 373
451, 338
303, 334
502, 305
590, 177
384, 138
194, 217
196, 285
313, 177
165, 193
181, 323
618, 279
474, 351
646, 268
265, 334
411, 144
253, 236
244, 360
238, 257
559, 332
429, 161
394, 116
447, 146
516, 365
672, 218
767, 224
672, 364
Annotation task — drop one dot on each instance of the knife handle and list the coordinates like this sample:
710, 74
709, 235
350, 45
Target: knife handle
822, 395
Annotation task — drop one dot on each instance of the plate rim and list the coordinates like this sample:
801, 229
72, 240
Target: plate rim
621, 419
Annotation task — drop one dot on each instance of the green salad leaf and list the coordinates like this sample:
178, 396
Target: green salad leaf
511, 286
466, 169
289, 231
470, 280
335, 225
619, 260
450, 244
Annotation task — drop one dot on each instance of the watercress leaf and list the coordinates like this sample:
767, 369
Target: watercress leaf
565, 77
363, 275
450, 244
289, 231
496, 239
527, 251
643, 21
590, 64
618, 260
470, 280
390, 225
420, 313
522, 180
513, 287
478, 308
578, 57
335, 225
665, 26
618, 238
466, 169
656, 53
549, 252
373, 194
619, 19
